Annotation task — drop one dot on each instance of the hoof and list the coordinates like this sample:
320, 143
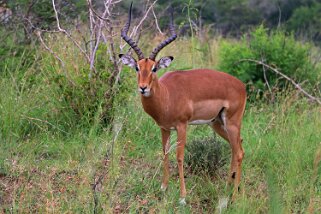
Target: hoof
222, 203
163, 188
182, 202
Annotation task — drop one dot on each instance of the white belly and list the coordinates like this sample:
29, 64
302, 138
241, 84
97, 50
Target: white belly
200, 122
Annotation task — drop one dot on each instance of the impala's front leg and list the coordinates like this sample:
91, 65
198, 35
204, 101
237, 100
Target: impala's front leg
166, 146
181, 141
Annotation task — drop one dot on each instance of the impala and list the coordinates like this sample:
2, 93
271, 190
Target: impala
179, 98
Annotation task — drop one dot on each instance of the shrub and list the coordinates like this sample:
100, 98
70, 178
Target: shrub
206, 155
276, 49
72, 84
91, 95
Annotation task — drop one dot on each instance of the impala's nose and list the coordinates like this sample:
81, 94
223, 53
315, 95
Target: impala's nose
142, 89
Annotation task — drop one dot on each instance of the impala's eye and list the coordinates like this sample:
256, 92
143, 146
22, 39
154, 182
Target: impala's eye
154, 69
137, 69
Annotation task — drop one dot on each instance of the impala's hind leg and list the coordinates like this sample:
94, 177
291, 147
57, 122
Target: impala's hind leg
221, 131
237, 156
231, 133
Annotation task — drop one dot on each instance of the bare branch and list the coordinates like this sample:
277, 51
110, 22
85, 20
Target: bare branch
143, 19
156, 22
284, 76
265, 78
93, 54
115, 75
67, 34
97, 26
96, 13
38, 34
56, 16
39, 29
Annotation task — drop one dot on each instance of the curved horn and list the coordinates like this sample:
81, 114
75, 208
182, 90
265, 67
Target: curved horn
166, 41
123, 34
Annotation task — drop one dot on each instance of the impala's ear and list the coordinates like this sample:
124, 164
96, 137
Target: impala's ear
165, 61
128, 60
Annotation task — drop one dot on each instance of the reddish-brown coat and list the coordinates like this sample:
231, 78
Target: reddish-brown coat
184, 96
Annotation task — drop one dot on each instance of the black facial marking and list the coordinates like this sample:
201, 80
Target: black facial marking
233, 175
154, 69
137, 68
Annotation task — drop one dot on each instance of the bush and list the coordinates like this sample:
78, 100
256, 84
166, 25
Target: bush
306, 21
73, 85
91, 95
206, 155
276, 49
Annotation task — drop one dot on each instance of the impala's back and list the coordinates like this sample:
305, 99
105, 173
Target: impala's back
202, 93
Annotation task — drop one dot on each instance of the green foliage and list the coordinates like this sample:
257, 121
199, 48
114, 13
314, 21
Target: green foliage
229, 23
41, 13
42, 95
14, 56
306, 20
29, 106
275, 49
26, 103
83, 90
235, 17
91, 94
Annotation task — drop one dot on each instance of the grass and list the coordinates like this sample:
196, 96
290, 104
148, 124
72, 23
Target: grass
56, 174
102, 170
278, 166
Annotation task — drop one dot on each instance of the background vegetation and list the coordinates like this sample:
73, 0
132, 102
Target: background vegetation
74, 138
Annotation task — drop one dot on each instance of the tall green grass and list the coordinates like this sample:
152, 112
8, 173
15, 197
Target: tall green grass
28, 106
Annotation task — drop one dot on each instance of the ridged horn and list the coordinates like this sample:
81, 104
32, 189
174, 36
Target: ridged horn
127, 39
166, 41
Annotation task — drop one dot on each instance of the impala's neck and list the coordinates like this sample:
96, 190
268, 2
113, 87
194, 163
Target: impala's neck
154, 104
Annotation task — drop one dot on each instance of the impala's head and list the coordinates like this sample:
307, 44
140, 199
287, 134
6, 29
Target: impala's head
146, 71
146, 68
